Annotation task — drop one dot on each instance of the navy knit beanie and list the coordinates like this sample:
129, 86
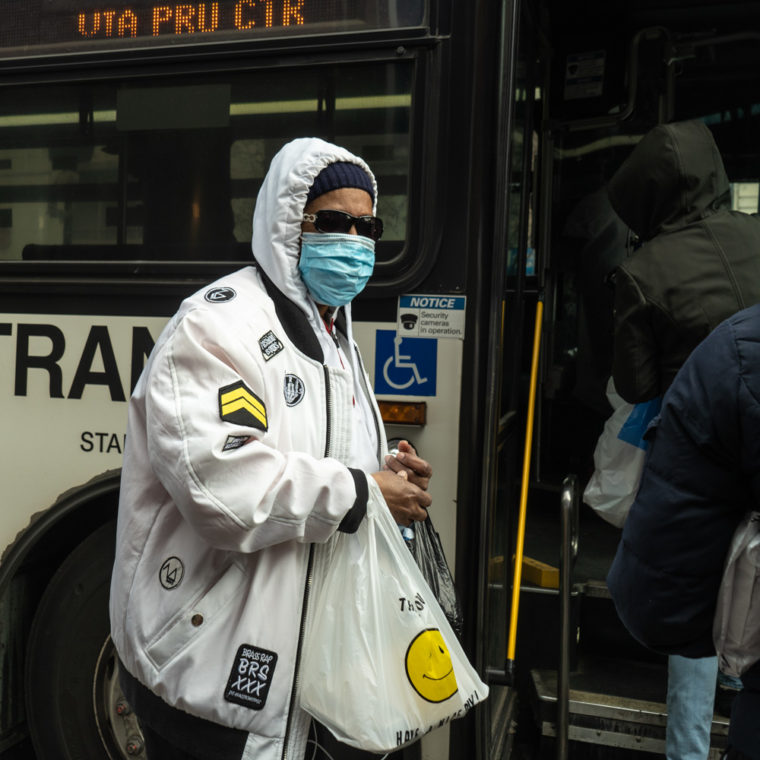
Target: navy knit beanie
338, 175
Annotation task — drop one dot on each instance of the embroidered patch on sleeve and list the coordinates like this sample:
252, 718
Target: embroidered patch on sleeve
235, 442
270, 345
240, 405
219, 295
251, 677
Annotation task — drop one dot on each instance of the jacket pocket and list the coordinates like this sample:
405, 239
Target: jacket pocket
191, 622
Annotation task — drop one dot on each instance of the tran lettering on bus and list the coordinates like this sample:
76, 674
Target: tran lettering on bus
40, 348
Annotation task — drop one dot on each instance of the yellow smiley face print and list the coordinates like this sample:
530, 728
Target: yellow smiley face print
429, 668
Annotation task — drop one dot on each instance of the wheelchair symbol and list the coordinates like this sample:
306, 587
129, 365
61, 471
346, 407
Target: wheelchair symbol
401, 361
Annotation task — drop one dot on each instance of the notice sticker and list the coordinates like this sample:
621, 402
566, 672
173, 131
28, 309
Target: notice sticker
584, 75
431, 316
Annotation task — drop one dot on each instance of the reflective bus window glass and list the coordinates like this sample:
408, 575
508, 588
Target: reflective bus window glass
167, 171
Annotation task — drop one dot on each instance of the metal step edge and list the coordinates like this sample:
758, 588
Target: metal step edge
597, 589
620, 740
611, 707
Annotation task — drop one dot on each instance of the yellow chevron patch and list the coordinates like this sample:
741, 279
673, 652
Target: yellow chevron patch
239, 405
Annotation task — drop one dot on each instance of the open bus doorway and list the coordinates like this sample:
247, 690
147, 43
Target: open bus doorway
614, 70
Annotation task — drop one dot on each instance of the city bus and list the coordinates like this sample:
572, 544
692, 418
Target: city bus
133, 139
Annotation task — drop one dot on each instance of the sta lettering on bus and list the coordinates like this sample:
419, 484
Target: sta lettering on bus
102, 443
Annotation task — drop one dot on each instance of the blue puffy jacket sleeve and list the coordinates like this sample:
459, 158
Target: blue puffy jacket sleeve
701, 474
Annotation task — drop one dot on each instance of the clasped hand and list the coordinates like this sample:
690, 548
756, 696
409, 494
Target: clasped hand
404, 481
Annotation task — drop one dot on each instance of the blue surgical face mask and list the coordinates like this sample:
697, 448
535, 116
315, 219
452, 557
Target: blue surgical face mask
335, 266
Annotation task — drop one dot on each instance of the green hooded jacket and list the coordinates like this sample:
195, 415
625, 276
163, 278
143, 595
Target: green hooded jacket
699, 264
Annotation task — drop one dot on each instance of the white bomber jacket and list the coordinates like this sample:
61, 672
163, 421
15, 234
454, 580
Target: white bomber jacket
234, 479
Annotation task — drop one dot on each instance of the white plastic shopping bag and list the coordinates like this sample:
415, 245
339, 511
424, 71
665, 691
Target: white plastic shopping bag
619, 458
736, 629
381, 665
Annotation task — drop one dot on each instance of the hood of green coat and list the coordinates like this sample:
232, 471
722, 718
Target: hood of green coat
674, 176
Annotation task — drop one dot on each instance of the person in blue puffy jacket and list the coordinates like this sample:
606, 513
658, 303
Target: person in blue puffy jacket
701, 475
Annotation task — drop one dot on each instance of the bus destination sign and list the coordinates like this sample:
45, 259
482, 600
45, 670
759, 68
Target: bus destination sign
188, 18
45, 26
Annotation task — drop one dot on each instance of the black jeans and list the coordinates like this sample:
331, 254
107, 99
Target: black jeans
158, 748
744, 729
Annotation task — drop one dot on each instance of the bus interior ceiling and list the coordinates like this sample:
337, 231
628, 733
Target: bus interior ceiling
616, 68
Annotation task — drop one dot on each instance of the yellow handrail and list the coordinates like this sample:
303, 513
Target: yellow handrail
524, 494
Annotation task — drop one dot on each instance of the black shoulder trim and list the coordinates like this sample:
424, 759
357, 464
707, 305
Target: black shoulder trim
294, 321
340, 322
190, 734
352, 519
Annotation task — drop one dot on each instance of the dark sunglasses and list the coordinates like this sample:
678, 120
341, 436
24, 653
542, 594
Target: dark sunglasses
327, 220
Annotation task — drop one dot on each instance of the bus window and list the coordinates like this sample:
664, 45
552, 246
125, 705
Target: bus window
170, 171
744, 197
522, 143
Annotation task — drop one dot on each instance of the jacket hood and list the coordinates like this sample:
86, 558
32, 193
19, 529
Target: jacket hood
279, 208
675, 176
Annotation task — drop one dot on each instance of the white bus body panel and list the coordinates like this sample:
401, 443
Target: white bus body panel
50, 445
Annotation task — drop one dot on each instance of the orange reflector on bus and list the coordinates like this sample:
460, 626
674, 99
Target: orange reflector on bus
403, 412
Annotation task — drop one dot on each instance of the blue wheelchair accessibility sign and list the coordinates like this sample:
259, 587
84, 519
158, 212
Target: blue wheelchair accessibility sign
405, 365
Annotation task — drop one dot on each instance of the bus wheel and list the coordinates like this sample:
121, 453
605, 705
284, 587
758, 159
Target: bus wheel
74, 705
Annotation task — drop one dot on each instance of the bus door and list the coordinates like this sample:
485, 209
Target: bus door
615, 70
513, 284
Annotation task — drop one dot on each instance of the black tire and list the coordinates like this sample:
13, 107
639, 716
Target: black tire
68, 654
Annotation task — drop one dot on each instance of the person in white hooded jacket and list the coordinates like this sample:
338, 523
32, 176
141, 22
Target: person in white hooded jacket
253, 436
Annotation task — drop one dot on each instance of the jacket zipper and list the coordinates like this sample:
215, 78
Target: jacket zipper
328, 404
307, 586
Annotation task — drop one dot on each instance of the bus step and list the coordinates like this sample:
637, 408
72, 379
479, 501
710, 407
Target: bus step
614, 703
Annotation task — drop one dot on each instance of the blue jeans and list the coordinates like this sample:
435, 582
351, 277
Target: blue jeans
691, 697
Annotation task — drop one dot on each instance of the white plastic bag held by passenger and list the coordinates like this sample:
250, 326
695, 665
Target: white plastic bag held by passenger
619, 458
736, 630
381, 665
